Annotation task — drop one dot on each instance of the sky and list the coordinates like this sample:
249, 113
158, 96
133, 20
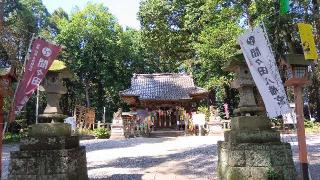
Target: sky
124, 10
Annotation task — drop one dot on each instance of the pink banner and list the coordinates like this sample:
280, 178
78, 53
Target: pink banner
42, 55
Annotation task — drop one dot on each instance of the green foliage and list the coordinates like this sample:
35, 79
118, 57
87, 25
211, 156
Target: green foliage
102, 133
272, 174
277, 122
169, 30
309, 124
193, 36
99, 53
85, 132
12, 138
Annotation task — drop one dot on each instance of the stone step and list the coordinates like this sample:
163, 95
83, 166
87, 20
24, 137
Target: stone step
166, 133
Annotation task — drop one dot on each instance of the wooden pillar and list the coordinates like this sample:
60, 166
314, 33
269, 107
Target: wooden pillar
159, 119
303, 156
164, 119
170, 119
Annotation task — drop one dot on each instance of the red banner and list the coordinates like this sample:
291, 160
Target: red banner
41, 57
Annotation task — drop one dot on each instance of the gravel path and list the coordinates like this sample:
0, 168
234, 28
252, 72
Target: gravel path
166, 158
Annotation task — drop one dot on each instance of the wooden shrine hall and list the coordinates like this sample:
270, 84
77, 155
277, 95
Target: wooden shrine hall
165, 97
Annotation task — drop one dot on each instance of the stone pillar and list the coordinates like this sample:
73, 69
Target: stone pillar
252, 150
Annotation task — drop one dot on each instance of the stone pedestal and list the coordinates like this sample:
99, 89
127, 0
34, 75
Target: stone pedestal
49, 155
117, 131
252, 150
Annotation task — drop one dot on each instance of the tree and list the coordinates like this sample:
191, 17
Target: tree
169, 29
96, 51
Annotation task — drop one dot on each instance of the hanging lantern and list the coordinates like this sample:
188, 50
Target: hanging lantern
296, 70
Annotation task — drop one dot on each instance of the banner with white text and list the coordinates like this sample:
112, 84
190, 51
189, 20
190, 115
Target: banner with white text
261, 62
41, 57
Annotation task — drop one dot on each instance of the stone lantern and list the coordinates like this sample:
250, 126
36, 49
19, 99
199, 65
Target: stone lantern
245, 85
54, 88
251, 149
50, 151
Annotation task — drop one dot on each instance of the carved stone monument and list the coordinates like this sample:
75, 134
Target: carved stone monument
252, 150
117, 131
50, 151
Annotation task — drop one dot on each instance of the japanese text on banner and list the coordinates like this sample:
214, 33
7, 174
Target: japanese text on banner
42, 55
307, 41
260, 60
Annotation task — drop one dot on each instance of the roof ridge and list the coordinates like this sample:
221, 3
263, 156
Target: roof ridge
162, 75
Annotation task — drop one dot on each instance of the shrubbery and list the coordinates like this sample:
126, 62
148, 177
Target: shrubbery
12, 137
102, 133
309, 124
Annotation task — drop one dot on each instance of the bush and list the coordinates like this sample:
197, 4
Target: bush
308, 124
12, 137
102, 133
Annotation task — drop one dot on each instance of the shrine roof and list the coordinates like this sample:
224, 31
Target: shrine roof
163, 86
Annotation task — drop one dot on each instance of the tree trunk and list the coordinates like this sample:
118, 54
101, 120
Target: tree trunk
316, 74
100, 100
1, 14
212, 97
87, 93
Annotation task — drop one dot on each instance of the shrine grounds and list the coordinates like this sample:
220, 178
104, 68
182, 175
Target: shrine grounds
184, 157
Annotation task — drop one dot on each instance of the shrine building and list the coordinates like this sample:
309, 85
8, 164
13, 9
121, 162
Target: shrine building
164, 97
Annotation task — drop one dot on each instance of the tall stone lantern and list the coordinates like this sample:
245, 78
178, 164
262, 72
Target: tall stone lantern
251, 150
54, 88
50, 151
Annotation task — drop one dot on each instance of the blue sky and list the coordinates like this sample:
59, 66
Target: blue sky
124, 10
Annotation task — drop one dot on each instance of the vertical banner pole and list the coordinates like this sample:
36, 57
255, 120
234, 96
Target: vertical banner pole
303, 156
37, 106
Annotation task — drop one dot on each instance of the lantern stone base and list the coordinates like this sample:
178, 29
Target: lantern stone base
48, 155
252, 150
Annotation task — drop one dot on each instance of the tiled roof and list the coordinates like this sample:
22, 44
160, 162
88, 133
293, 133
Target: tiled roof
162, 86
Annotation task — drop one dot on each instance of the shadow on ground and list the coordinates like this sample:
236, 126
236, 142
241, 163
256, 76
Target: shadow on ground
196, 161
122, 177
